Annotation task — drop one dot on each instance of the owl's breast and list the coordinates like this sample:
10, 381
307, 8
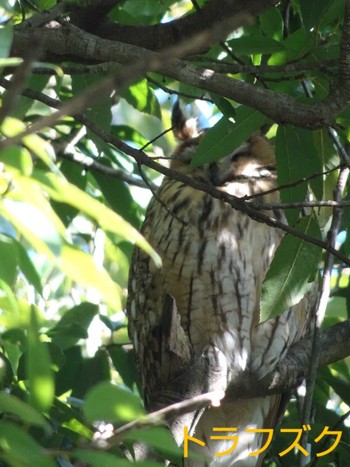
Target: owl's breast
214, 262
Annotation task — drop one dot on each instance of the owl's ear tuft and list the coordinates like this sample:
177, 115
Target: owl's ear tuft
183, 128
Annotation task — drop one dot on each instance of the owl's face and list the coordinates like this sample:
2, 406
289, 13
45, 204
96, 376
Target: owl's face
254, 159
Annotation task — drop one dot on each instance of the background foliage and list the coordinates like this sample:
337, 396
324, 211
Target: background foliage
68, 220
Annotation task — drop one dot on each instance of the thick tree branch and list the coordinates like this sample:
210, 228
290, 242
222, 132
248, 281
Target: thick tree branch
164, 35
91, 16
66, 41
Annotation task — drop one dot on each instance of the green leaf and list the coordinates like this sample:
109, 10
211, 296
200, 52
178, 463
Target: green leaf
41, 148
81, 267
19, 449
6, 34
14, 255
124, 362
27, 107
224, 105
294, 263
338, 380
73, 325
297, 157
142, 97
10, 299
271, 23
126, 133
17, 159
119, 405
41, 383
43, 235
76, 175
12, 405
312, 11
247, 45
161, 439
118, 197
28, 269
62, 191
44, 4
99, 111
70, 371
296, 46
224, 137
9, 260
92, 372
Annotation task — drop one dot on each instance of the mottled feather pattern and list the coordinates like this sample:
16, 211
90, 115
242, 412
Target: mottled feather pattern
214, 262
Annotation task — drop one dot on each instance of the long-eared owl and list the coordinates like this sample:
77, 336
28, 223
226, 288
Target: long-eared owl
194, 322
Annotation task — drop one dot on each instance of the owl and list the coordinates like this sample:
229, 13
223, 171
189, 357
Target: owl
194, 322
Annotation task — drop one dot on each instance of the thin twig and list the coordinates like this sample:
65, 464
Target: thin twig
301, 204
293, 184
91, 164
156, 418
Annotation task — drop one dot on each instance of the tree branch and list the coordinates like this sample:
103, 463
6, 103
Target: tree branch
69, 41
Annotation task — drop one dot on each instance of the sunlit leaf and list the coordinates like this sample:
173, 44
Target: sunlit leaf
9, 260
127, 133
119, 405
296, 46
10, 298
12, 127
18, 159
15, 312
6, 33
142, 97
81, 267
14, 255
62, 191
28, 268
294, 264
41, 383
45, 240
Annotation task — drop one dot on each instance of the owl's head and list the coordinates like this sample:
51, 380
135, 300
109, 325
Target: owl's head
255, 158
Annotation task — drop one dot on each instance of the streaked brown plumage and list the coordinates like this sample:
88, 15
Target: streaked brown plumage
195, 322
